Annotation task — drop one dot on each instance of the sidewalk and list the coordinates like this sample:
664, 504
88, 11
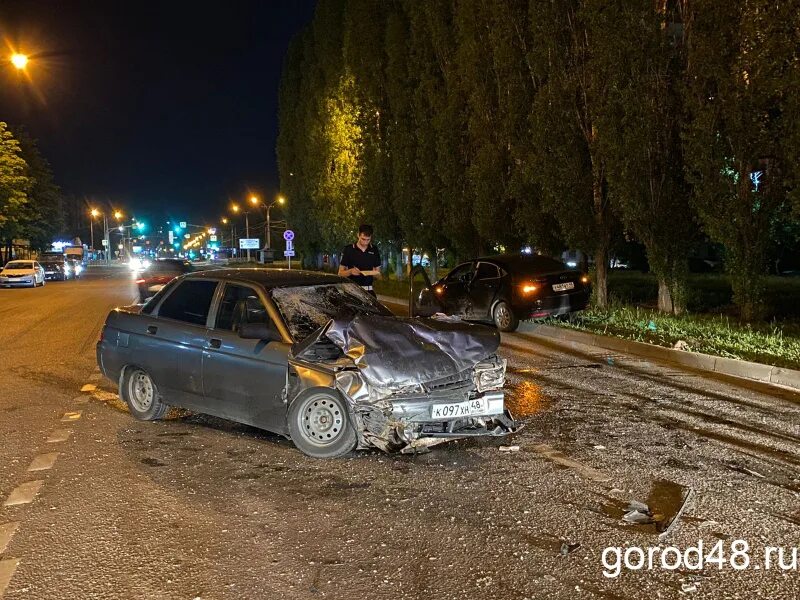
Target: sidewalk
788, 378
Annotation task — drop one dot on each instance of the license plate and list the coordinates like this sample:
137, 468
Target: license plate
470, 408
560, 287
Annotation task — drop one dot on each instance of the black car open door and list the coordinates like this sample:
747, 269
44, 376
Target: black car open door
422, 300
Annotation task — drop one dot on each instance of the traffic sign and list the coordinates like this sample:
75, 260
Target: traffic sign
288, 235
170, 236
183, 224
212, 238
289, 245
288, 253
105, 242
249, 243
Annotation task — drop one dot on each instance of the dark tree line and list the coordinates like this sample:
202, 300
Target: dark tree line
31, 204
478, 125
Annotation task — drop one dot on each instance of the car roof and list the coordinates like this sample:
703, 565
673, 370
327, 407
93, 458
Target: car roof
269, 278
523, 262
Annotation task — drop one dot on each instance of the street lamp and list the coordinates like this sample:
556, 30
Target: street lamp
20, 61
278, 200
94, 214
236, 210
106, 230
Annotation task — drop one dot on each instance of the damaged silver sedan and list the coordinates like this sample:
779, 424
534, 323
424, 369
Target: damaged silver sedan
309, 356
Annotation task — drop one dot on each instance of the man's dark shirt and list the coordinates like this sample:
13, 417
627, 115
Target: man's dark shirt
352, 256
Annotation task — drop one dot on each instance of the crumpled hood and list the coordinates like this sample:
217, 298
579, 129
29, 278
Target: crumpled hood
396, 352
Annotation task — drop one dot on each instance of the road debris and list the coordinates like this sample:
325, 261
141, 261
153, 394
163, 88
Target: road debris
568, 548
509, 448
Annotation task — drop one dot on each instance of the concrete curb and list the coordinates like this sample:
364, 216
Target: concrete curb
733, 367
695, 360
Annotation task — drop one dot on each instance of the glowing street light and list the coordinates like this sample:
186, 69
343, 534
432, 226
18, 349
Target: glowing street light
279, 200
20, 61
118, 215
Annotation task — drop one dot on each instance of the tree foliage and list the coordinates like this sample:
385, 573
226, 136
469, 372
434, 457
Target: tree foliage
14, 184
481, 125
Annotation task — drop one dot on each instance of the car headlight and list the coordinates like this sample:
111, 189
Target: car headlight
490, 374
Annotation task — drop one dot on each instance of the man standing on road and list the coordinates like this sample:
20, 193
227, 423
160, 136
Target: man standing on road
361, 261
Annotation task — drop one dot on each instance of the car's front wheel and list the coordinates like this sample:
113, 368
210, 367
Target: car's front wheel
140, 393
320, 424
504, 317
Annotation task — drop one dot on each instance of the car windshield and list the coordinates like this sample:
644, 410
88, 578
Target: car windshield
305, 309
19, 265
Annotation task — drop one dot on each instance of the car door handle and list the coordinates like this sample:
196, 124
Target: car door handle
152, 329
214, 343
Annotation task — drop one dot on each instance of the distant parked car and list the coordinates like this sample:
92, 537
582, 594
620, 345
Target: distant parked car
22, 273
306, 355
159, 273
504, 290
56, 267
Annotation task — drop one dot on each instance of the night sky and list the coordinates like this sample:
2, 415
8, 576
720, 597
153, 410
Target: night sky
162, 108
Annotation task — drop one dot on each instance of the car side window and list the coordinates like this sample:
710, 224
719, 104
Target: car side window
189, 302
460, 272
488, 271
240, 304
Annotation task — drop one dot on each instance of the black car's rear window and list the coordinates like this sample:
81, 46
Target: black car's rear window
536, 265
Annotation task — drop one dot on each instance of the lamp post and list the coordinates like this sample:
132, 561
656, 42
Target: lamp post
106, 230
93, 213
225, 221
278, 200
236, 210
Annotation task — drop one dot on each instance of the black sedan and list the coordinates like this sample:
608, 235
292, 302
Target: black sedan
307, 355
503, 290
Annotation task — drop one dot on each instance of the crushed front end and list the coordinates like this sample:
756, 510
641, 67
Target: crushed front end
455, 392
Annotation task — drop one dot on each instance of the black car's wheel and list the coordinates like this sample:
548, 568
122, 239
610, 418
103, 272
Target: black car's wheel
320, 425
140, 393
504, 317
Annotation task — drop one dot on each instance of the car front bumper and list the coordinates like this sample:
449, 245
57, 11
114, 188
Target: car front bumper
16, 281
407, 424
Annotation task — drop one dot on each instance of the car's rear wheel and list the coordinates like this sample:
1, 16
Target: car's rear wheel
140, 393
320, 425
504, 317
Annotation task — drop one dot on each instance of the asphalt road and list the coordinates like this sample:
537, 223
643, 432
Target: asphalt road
196, 507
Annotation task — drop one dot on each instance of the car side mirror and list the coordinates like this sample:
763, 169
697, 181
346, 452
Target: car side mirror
258, 331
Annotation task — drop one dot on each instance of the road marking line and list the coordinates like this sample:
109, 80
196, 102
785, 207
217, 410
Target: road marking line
24, 493
105, 396
89, 387
6, 533
59, 435
7, 568
42, 462
71, 416
561, 459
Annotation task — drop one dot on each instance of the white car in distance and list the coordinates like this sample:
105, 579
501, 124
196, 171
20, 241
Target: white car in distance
22, 273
